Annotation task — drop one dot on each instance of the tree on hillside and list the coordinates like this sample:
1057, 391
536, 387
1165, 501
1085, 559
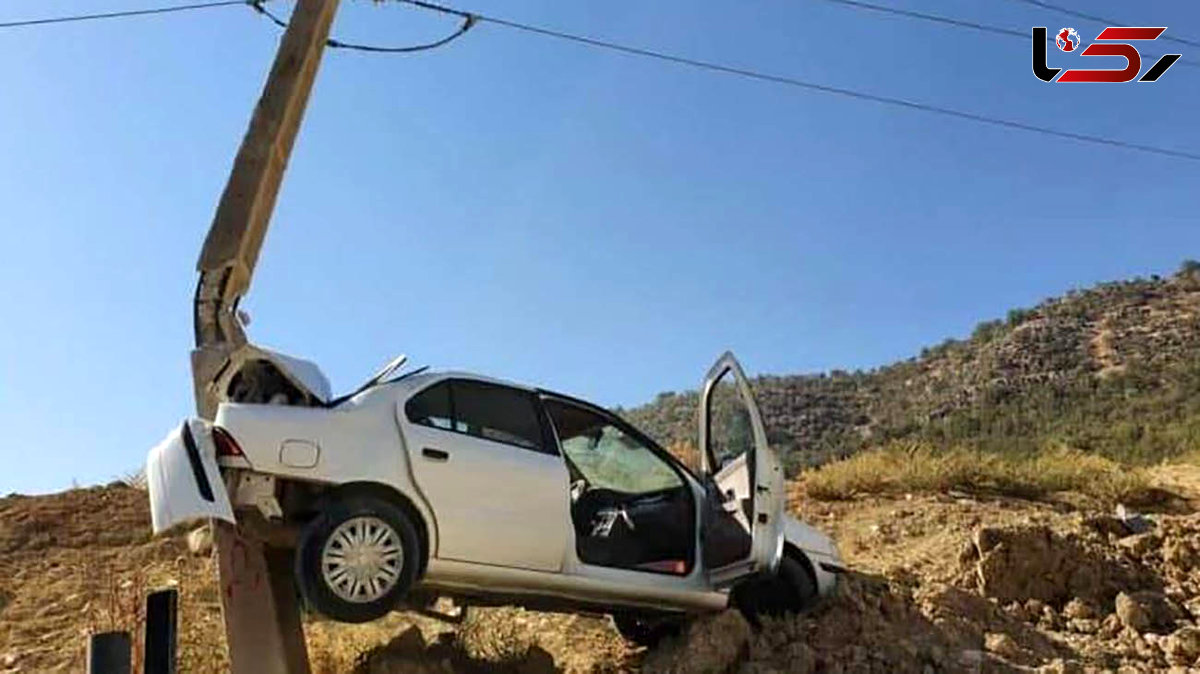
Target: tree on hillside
987, 331
1019, 316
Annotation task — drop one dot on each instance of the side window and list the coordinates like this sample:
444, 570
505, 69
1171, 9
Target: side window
496, 413
605, 455
730, 433
431, 407
487, 411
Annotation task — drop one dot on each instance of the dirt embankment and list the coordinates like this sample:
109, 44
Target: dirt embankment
962, 585
942, 583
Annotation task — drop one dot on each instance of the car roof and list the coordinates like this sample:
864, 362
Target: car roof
423, 379
407, 385
462, 374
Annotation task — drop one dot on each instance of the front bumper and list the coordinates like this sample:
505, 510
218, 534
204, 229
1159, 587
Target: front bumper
183, 479
826, 569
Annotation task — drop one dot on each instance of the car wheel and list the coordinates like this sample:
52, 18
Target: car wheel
791, 590
647, 630
357, 559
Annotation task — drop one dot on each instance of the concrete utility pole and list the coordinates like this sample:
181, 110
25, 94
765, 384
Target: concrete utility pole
258, 600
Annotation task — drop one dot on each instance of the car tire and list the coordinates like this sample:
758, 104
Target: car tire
357, 559
647, 630
791, 590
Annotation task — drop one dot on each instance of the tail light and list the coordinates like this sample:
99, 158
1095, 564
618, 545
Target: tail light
226, 445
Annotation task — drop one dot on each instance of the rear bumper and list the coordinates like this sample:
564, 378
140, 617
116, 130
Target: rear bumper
183, 479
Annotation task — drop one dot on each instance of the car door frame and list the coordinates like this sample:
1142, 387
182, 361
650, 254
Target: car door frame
695, 578
765, 479
416, 452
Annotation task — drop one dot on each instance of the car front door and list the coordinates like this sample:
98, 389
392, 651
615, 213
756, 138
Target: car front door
743, 521
488, 465
631, 507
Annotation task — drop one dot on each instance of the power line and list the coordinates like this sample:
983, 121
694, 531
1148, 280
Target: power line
803, 84
1092, 17
468, 21
257, 5
962, 23
123, 14
471, 18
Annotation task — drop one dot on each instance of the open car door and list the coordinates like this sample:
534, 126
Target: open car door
742, 527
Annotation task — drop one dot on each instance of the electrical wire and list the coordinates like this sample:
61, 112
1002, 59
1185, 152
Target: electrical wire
803, 84
472, 18
1099, 19
912, 14
468, 22
123, 14
257, 5
962, 23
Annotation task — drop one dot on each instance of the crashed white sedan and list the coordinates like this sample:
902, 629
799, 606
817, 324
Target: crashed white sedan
429, 484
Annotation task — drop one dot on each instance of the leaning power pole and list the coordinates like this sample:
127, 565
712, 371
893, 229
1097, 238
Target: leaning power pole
258, 602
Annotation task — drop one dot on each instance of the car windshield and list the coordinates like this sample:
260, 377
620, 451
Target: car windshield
606, 455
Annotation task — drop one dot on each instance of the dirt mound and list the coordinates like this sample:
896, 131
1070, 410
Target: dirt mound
1110, 598
710, 645
67, 519
873, 624
1043, 589
1019, 563
942, 583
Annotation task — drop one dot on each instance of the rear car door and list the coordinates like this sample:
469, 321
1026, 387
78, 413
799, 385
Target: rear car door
484, 458
742, 531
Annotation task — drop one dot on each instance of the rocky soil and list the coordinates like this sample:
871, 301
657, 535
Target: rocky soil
941, 583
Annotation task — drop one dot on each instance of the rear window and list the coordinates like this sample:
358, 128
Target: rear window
483, 410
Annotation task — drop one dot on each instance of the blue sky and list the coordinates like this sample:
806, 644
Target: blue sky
588, 221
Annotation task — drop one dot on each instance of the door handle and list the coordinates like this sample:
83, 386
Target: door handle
435, 454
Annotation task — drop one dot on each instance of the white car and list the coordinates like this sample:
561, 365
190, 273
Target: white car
450, 484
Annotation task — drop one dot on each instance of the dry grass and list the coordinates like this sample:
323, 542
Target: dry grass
686, 452
1191, 457
115, 604
134, 479
909, 467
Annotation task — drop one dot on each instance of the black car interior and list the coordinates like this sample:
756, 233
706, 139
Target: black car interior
631, 506
651, 532
626, 528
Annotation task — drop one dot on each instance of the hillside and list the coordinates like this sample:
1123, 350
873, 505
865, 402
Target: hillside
1113, 369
